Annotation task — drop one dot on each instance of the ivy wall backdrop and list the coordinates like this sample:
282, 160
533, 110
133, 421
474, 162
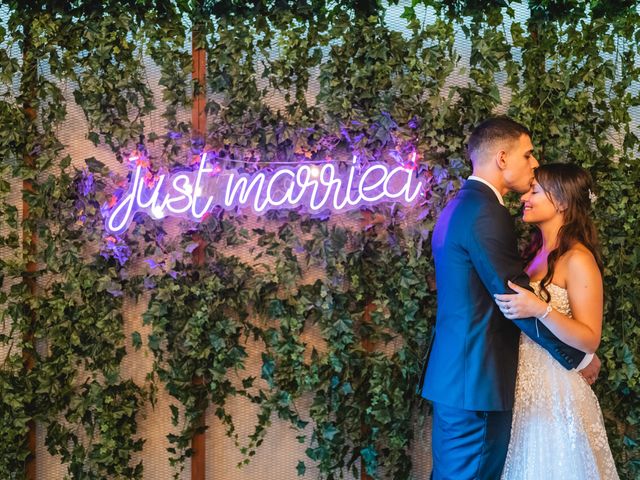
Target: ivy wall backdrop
287, 345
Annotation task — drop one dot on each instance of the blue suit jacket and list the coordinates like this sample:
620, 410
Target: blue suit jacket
474, 354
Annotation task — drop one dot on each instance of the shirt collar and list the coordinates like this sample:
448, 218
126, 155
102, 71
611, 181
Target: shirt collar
495, 190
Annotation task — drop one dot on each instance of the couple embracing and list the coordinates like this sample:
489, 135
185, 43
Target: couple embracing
512, 359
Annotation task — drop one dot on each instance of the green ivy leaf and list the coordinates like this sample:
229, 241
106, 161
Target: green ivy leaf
136, 340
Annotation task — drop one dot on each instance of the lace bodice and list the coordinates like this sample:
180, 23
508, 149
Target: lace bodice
559, 297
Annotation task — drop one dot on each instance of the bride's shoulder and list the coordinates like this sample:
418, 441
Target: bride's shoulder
579, 260
578, 252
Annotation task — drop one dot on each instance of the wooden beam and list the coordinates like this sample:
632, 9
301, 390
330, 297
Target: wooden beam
199, 133
29, 238
198, 115
369, 346
368, 219
27, 356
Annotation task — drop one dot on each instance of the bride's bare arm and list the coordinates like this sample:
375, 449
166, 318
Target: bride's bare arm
584, 288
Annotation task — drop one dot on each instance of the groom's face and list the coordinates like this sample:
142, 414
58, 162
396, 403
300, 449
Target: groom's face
519, 165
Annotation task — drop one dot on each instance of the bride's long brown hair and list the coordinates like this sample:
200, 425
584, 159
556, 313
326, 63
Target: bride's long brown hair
567, 186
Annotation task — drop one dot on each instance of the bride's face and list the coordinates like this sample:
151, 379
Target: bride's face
538, 207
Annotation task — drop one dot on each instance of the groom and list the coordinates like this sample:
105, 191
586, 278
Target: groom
471, 370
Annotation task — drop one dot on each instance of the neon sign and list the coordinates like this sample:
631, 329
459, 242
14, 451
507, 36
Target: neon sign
315, 188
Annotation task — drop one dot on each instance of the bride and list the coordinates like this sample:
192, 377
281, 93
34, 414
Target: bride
557, 430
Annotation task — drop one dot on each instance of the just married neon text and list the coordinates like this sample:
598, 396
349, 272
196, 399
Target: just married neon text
314, 188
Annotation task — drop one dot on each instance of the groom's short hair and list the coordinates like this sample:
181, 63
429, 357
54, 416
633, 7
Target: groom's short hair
491, 131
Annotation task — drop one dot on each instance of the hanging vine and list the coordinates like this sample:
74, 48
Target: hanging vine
347, 81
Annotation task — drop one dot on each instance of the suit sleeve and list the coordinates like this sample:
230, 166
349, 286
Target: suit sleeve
493, 250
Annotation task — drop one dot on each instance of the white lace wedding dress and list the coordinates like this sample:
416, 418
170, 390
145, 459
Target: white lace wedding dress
557, 431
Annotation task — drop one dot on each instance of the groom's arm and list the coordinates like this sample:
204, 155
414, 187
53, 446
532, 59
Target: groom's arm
493, 250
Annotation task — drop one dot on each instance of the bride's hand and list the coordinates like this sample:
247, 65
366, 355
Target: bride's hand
521, 304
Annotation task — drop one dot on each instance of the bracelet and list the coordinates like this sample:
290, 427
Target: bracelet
546, 312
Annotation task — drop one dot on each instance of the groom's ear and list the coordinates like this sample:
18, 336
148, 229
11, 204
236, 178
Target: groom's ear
500, 157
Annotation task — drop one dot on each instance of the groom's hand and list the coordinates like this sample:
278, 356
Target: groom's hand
591, 371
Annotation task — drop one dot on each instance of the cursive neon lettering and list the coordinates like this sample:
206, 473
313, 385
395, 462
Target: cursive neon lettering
191, 194
197, 190
186, 190
364, 187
